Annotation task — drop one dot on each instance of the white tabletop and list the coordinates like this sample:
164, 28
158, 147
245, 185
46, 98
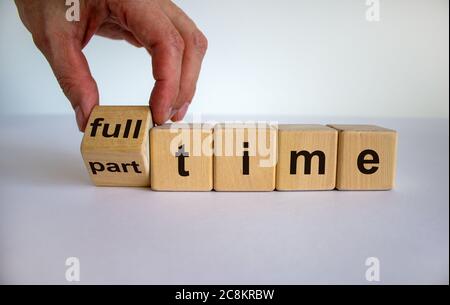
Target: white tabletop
49, 211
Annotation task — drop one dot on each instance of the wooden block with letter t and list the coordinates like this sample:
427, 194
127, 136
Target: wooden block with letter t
307, 156
182, 157
245, 157
115, 145
367, 157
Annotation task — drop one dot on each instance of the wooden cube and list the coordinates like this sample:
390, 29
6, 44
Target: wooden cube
367, 157
115, 145
307, 156
182, 157
245, 157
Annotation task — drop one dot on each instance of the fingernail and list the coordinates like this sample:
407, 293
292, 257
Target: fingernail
172, 113
79, 117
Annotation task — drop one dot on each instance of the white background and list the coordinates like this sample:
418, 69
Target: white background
49, 211
305, 58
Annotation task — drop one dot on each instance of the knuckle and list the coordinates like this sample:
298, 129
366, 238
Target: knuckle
200, 42
176, 42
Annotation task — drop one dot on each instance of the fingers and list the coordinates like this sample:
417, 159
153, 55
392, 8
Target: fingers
177, 48
196, 45
153, 29
72, 72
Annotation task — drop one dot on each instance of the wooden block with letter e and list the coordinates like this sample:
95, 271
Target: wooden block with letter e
367, 157
307, 156
245, 157
115, 145
182, 157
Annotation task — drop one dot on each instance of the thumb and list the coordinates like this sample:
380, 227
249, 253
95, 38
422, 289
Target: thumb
71, 69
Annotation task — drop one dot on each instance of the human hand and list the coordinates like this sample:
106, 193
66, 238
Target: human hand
172, 39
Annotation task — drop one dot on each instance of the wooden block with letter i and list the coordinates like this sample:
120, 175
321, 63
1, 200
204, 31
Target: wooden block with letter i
367, 157
115, 145
182, 157
307, 156
245, 157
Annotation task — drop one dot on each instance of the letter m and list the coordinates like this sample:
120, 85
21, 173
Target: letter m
308, 160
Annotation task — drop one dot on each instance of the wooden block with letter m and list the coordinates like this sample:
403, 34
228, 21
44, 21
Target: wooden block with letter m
307, 156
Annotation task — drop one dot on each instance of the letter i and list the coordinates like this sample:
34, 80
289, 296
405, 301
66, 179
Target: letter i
245, 161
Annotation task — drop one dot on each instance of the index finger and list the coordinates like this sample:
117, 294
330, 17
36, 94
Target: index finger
154, 30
